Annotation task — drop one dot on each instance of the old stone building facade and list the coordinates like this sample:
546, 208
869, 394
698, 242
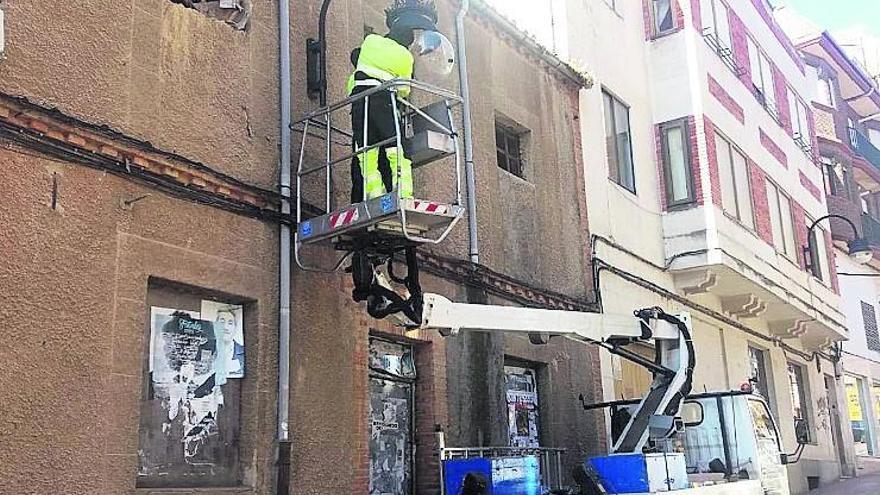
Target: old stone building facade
140, 159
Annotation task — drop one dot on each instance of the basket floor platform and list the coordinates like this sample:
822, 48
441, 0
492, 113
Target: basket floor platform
388, 215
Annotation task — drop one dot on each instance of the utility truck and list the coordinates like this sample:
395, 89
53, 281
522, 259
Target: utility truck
721, 443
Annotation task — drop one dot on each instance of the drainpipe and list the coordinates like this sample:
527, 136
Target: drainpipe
282, 486
470, 180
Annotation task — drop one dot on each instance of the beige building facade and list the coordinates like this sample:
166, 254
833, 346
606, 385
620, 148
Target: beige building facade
702, 182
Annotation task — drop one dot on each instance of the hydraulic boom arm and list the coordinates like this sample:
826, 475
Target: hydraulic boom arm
672, 367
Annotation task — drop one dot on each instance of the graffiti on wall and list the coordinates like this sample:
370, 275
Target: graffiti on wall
191, 358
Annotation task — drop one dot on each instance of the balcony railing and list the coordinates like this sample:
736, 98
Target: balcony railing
723, 51
871, 228
864, 147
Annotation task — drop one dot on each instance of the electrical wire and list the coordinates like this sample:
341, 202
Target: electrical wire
63, 151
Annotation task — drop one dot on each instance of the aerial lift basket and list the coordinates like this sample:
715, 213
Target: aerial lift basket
389, 223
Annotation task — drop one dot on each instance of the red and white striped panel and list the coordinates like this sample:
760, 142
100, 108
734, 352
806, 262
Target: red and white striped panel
431, 207
343, 218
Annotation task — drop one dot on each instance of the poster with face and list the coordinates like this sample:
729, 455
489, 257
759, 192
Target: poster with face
229, 330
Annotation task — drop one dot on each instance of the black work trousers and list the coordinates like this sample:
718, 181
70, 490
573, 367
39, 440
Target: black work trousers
380, 126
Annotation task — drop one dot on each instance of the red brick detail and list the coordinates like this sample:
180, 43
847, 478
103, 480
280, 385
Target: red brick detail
782, 106
679, 14
810, 187
726, 100
712, 156
780, 35
832, 265
739, 39
696, 15
800, 231
646, 17
360, 401
773, 148
695, 160
760, 203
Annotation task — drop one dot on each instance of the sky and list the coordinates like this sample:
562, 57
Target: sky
854, 24
533, 16
834, 15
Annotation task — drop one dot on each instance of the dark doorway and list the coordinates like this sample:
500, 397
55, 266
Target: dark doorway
392, 400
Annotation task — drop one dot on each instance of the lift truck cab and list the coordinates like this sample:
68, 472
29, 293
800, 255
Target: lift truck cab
727, 440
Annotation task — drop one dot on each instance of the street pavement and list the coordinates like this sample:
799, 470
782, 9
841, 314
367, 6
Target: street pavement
867, 482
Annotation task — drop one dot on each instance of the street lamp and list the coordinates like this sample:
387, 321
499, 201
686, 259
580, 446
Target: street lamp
858, 249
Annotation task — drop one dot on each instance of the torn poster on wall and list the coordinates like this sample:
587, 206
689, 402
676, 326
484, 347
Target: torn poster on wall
522, 406
188, 366
229, 329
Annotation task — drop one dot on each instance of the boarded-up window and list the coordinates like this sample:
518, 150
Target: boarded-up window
194, 365
869, 317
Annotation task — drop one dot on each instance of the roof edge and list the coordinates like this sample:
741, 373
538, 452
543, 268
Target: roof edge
563, 68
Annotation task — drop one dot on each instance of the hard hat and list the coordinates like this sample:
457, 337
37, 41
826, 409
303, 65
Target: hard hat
412, 14
433, 53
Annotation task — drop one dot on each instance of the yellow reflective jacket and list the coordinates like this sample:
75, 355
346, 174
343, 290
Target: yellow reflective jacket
384, 59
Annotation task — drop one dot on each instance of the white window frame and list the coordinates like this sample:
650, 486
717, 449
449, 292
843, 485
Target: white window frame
762, 78
782, 221
618, 171
734, 183
827, 83
655, 18
716, 21
820, 267
800, 127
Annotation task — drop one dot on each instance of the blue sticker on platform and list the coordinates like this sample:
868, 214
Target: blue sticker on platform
387, 203
306, 229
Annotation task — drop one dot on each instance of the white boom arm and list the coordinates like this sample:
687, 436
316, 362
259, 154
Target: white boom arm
449, 318
673, 367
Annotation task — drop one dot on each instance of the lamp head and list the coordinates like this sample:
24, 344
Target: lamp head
411, 14
860, 251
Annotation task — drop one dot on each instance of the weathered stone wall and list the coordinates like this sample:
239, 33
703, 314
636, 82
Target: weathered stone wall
74, 279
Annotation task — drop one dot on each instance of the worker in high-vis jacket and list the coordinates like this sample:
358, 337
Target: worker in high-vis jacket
412, 25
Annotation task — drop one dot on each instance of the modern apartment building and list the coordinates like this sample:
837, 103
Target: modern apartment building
702, 181
846, 106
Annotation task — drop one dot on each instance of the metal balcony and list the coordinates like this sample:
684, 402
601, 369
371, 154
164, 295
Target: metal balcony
864, 147
871, 229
